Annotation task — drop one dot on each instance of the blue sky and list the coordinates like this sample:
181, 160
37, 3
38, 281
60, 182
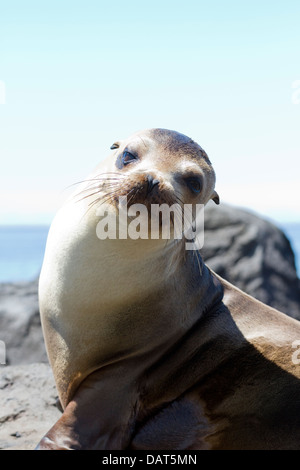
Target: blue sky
79, 75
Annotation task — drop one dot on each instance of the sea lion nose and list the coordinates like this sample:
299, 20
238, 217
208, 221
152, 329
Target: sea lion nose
151, 183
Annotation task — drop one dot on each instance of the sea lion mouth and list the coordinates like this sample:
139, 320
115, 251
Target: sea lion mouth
143, 189
142, 197
108, 188
142, 206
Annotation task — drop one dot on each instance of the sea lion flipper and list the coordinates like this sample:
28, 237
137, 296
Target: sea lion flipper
86, 423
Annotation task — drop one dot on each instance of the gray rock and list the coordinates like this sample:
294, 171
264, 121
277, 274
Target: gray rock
254, 255
28, 405
20, 326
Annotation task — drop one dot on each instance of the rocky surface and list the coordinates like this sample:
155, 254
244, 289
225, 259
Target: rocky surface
28, 405
246, 250
20, 326
254, 255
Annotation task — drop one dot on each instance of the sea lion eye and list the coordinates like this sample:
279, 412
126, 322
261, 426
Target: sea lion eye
194, 184
128, 157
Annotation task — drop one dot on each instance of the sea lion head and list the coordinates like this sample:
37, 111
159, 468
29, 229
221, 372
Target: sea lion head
153, 167
162, 166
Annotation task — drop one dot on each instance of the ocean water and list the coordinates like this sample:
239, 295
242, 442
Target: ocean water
22, 250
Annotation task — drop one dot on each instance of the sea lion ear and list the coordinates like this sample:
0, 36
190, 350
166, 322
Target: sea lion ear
215, 197
116, 145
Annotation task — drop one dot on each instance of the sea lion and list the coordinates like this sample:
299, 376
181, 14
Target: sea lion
149, 348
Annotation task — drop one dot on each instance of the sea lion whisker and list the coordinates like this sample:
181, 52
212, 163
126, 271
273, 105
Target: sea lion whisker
107, 196
88, 195
179, 196
196, 255
88, 190
132, 195
101, 177
91, 204
95, 189
88, 208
